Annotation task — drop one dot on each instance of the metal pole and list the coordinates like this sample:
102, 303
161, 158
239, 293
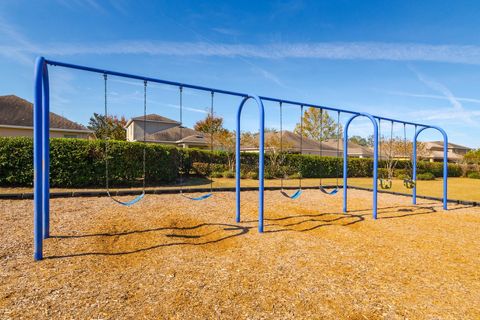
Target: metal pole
375, 162
190, 86
345, 164
445, 164
414, 165
375, 166
46, 154
261, 164
37, 161
445, 169
261, 161
237, 161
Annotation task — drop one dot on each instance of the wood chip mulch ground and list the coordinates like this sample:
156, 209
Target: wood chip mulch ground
170, 257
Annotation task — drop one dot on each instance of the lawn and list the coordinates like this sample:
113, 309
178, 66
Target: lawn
458, 188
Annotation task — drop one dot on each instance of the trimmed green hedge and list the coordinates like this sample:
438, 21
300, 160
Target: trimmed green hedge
81, 163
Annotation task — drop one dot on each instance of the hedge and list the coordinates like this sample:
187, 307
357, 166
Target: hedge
81, 163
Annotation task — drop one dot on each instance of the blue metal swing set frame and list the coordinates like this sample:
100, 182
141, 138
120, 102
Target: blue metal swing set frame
41, 129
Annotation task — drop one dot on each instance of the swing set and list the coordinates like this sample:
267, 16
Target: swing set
408, 181
41, 150
321, 187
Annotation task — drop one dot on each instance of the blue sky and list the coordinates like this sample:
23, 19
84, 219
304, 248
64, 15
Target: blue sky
417, 61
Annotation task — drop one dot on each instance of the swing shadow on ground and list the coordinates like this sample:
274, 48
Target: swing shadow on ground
352, 217
236, 229
292, 224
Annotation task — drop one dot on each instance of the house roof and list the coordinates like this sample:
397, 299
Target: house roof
152, 118
178, 135
353, 148
438, 155
291, 141
15, 111
439, 144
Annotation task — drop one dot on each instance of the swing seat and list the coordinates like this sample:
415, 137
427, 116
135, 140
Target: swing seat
385, 183
330, 193
409, 183
294, 196
202, 197
128, 203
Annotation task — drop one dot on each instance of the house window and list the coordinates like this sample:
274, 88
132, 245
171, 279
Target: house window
72, 136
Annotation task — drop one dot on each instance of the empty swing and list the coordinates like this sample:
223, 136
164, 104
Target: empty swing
206, 195
298, 192
140, 196
386, 183
320, 186
408, 182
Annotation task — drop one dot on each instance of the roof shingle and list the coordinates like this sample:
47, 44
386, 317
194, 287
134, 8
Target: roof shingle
15, 111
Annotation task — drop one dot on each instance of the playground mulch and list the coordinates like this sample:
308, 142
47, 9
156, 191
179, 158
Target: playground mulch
169, 257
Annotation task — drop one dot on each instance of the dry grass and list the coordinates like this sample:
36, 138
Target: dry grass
169, 257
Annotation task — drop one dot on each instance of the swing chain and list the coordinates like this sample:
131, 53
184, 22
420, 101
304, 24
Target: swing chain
301, 147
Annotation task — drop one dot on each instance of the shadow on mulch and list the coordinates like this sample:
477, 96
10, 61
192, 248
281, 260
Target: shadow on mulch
350, 218
238, 231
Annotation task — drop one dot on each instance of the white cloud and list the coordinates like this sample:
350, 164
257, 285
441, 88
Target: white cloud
466, 54
456, 112
227, 31
430, 96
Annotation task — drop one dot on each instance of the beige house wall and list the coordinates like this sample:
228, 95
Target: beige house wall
24, 132
135, 129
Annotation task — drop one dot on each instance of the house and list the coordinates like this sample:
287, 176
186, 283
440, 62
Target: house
16, 120
291, 142
431, 151
434, 149
163, 130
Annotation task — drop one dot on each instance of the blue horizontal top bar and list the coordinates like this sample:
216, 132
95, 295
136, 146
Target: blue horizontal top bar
341, 110
201, 88
132, 76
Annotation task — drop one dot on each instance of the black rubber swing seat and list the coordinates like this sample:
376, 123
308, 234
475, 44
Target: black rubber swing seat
330, 193
385, 183
409, 183
293, 196
202, 197
128, 203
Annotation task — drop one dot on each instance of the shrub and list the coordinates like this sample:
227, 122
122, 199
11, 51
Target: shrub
204, 169
216, 174
383, 173
403, 176
294, 176
268, 176
252, 175
474, 175
228, 174
426, 176
81, 163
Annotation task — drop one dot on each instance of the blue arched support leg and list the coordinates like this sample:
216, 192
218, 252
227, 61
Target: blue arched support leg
38, 159
261, 159
375, 161
46, 154
445, 164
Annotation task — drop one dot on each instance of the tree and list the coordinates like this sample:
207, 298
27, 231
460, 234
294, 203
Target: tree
472, 157
315, 121
394, 150
225, 141
359, 140
211, 124
273, 147
110, 127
